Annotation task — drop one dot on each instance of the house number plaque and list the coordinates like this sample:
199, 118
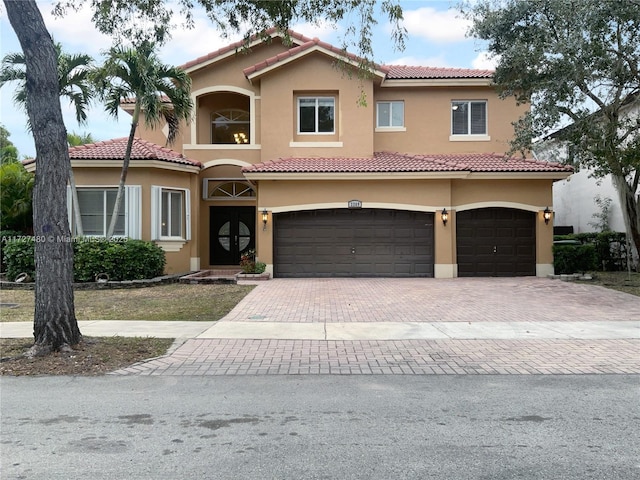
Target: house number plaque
354, 204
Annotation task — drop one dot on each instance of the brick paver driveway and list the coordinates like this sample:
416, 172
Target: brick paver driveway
433, 300
525, 301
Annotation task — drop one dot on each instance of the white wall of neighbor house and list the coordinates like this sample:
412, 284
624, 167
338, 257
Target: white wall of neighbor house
574, 202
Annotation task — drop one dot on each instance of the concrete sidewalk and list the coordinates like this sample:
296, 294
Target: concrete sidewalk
606, 330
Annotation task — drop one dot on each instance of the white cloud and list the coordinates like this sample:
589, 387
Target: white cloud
75, 31
436, 25
323, 30
189, 44
485, 61
438, 61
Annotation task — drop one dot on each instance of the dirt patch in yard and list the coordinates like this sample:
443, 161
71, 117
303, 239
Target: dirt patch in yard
93, 356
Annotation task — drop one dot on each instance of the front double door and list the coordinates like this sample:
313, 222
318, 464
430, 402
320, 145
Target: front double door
231, 232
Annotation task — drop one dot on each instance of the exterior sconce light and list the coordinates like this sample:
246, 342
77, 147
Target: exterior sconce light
444, 216
547, 215
265, 217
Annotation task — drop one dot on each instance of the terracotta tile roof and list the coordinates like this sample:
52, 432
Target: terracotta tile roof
132, 100
405, 72
303, 43
115, 149
307, 45
238, 45
387, 162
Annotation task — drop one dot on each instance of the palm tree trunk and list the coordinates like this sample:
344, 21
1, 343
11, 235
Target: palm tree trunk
76, 205
123, 173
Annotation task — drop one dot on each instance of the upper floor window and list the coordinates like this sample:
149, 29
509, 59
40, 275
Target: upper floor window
316, 115
469, 117
230, 126
390, 114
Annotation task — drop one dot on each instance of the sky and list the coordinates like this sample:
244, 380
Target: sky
436, 36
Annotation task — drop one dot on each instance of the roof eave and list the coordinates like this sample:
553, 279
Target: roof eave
117, 163
354, 175
437, 82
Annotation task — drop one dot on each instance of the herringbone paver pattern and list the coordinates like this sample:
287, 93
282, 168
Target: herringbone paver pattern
423, 357
433, 300
499, 300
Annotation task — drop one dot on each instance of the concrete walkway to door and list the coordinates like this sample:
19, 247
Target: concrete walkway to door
415, 326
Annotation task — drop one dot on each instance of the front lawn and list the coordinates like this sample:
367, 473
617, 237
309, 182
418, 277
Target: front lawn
164, 302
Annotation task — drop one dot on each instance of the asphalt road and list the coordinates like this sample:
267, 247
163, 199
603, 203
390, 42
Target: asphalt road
321, 427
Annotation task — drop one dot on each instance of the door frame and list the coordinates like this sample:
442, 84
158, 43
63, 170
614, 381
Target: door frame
218, 216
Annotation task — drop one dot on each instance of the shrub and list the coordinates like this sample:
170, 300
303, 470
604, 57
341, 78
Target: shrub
120, 260
574, 258
610, 249
19, 255
6, 236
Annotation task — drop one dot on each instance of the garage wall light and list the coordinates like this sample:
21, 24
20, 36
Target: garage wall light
444, 216
547, 215
265, 217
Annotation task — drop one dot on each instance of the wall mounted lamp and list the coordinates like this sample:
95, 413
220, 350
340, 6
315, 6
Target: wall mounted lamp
547, 215
265, 217
444, 216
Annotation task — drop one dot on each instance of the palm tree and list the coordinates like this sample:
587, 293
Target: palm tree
161, 91
74, 79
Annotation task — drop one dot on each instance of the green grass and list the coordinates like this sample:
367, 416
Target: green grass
165, 302
621, 281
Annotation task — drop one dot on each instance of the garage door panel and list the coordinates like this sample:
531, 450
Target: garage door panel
385, 242
495, 242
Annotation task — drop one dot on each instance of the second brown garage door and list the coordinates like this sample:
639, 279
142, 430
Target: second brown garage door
496, 242
353, 243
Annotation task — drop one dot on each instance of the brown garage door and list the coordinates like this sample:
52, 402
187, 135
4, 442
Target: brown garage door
353, 243
496, 242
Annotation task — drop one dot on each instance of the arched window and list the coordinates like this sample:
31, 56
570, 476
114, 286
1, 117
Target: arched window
231, 190
230, 126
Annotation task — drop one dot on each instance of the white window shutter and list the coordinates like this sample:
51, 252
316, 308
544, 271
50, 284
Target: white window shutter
133, 203
70, 208
156, 204
187, 208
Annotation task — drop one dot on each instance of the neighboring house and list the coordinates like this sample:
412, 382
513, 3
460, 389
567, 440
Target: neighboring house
282, 158
574, 198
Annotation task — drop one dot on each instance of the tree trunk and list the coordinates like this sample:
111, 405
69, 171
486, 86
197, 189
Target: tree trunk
125, 170
630, 211
76, 204
55, 324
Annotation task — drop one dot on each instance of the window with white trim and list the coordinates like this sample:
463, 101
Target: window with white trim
316, 115
170, 213
390, 114
469, 117
172, 206
96, 208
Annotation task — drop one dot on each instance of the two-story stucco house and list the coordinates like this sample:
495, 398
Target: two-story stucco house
281, 157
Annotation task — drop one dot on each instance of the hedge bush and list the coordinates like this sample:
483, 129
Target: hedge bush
610, 250
6, 236
120, 260
574, 258
19, 257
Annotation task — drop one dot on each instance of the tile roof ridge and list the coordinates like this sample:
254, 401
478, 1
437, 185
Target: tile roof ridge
272, 31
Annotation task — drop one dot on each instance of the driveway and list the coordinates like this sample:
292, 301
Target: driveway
524, 299
416, 326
